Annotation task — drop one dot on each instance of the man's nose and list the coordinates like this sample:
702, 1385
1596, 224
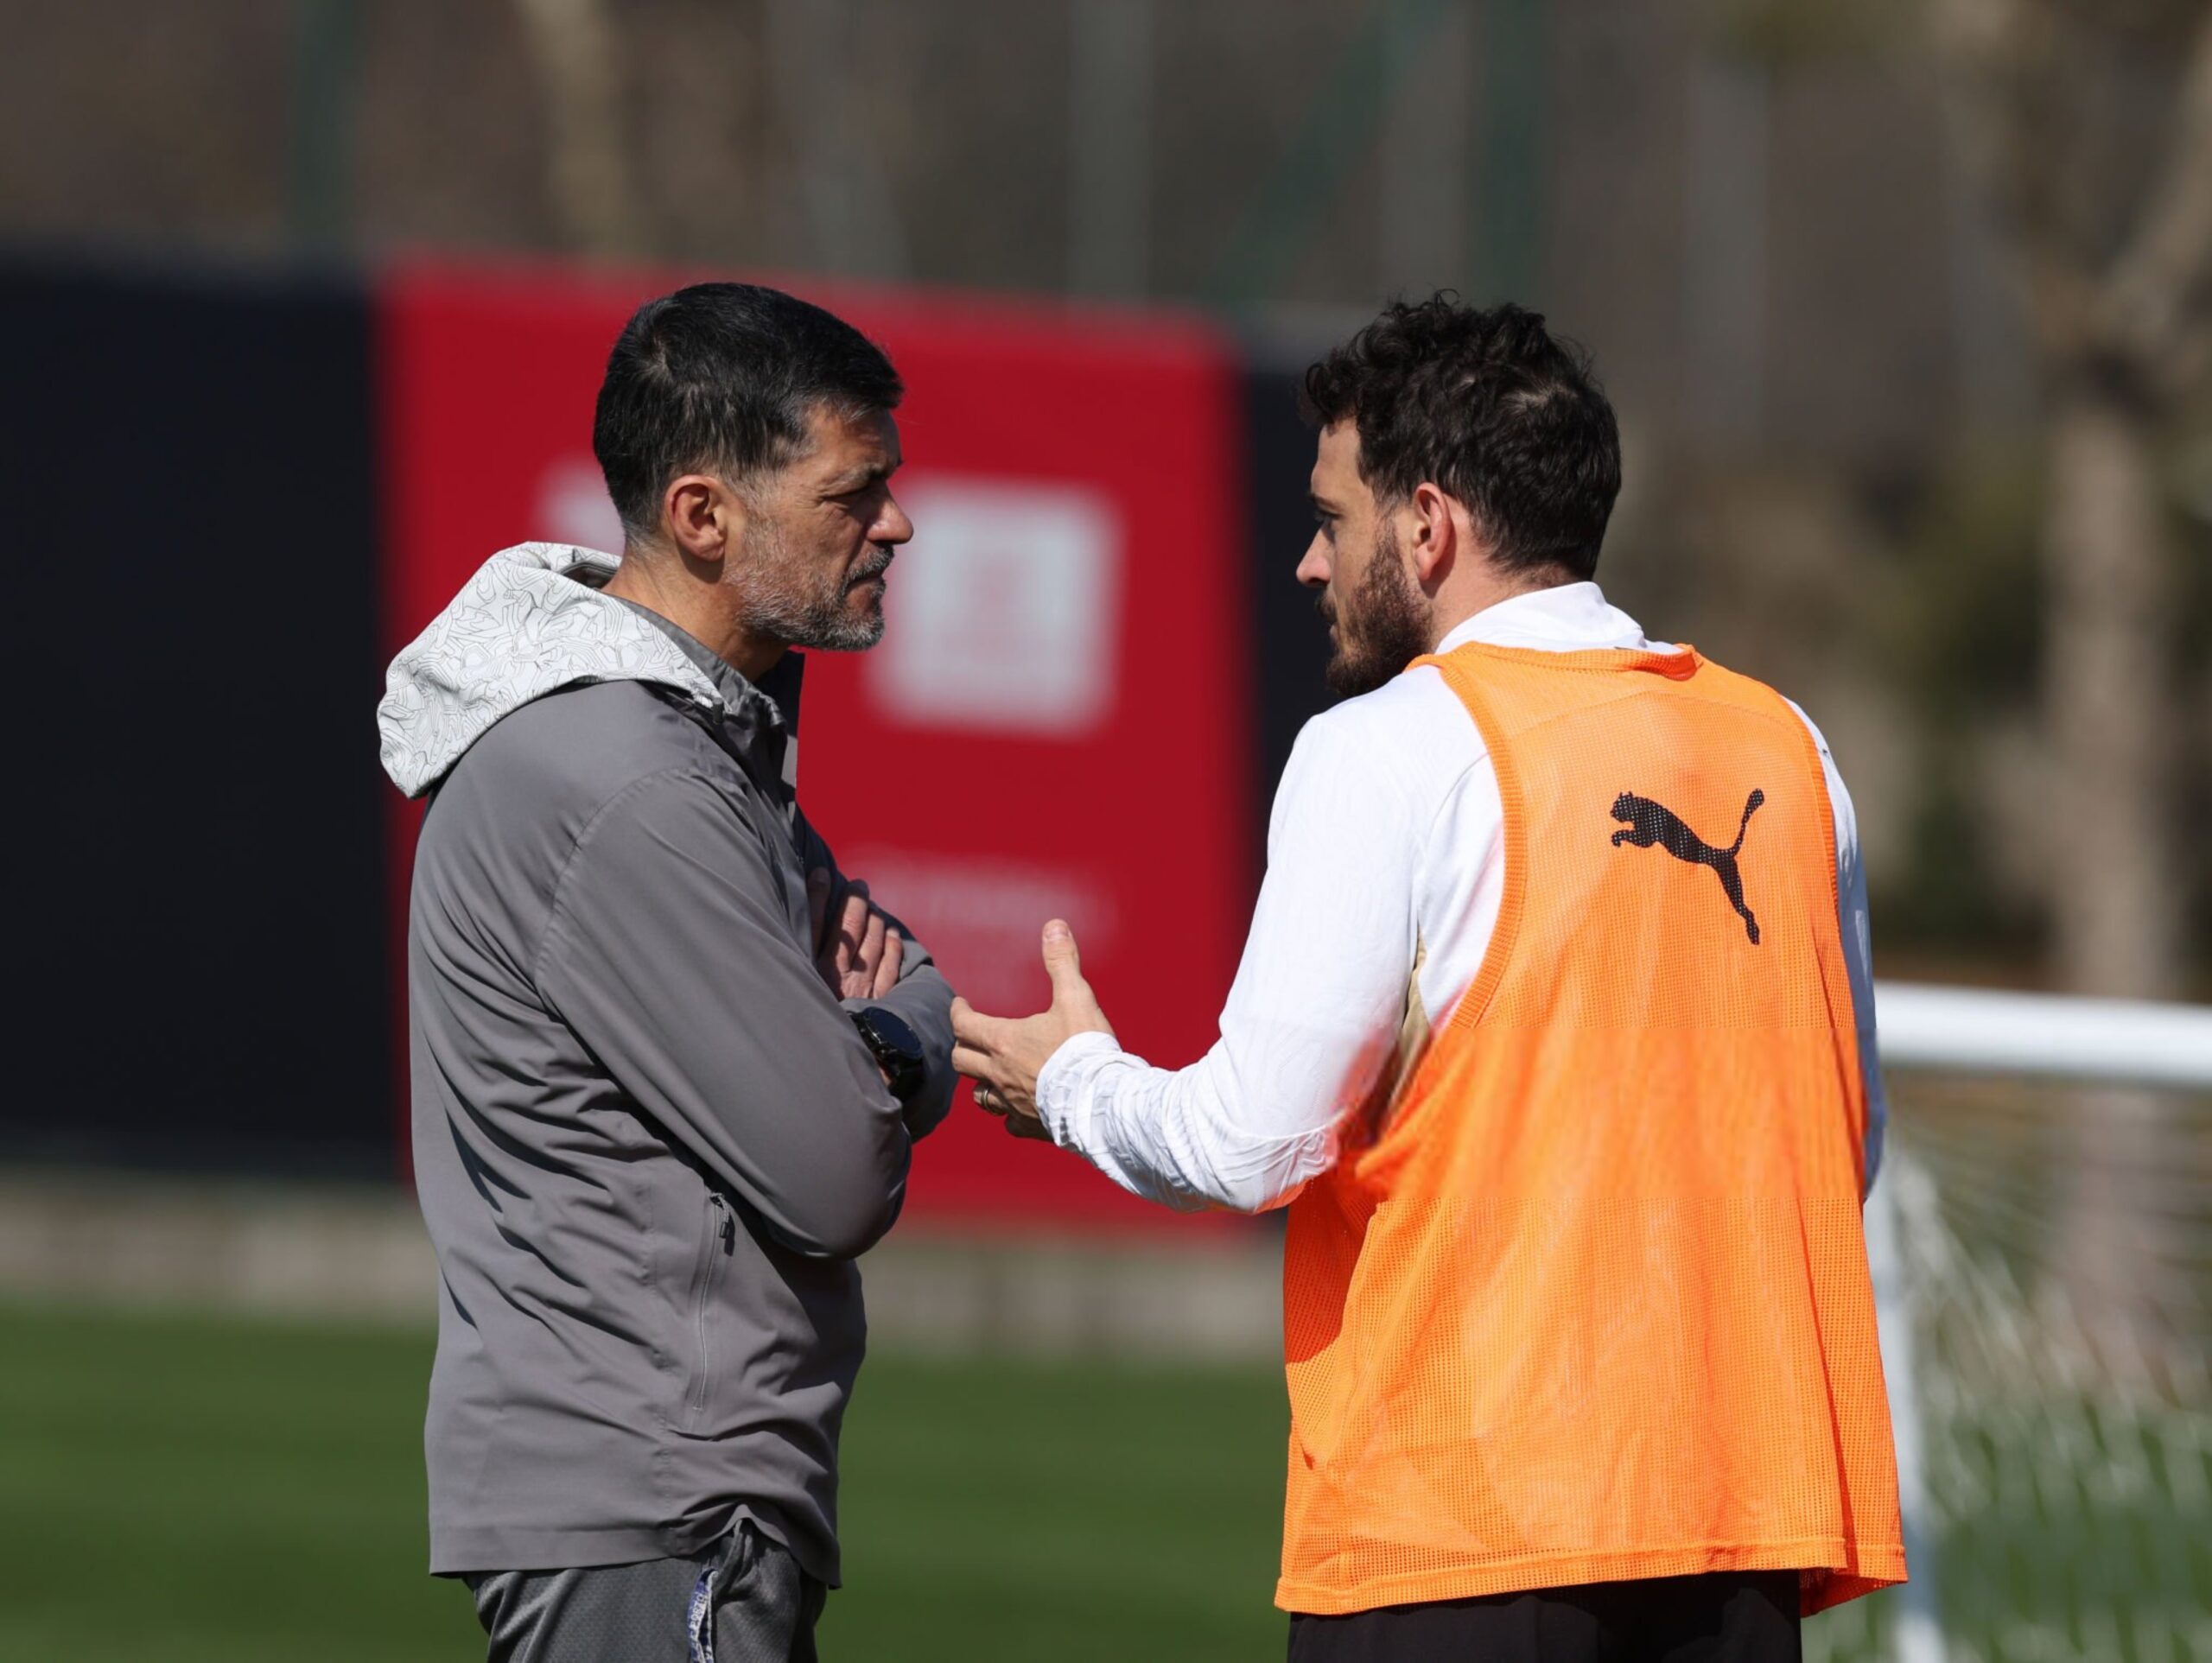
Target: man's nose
1313, 569
893, 526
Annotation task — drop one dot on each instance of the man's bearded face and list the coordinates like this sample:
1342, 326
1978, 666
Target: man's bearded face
1379, 625
822, 532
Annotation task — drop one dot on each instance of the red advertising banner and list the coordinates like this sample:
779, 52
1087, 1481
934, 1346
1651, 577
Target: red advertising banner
1057, 722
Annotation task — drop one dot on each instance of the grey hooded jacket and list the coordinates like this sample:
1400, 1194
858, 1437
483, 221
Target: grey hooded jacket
648, 1141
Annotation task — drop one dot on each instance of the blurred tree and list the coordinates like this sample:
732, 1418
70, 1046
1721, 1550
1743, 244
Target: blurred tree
325, 81
853, 218
1110, 155
2096, 153
2106, 200
578, 71
2085, 129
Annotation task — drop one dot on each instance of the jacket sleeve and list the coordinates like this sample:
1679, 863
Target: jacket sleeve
922, 998
669, 952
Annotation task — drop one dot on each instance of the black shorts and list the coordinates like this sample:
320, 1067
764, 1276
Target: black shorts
1720, 1617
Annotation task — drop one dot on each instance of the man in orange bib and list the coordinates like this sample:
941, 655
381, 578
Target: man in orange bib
1553, 1032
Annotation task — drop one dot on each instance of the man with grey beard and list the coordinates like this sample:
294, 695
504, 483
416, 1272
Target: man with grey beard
668, 1063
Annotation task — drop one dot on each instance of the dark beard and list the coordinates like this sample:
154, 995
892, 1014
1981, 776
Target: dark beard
1381, 628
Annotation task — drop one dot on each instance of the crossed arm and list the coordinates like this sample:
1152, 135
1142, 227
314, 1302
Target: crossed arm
865, 956
671, 955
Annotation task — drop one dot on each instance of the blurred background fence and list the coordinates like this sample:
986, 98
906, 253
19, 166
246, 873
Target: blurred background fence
1904, 305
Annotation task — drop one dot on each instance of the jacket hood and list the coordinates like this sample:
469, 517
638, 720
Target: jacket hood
531, 622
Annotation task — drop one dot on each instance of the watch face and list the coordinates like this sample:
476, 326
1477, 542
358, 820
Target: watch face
888, 1033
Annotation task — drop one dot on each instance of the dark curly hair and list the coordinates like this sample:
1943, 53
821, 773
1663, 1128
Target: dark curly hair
1492, 409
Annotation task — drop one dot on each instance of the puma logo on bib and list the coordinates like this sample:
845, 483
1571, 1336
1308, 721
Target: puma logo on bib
1646, 822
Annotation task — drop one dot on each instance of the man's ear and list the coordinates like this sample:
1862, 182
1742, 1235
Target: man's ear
1434, 537
703, 516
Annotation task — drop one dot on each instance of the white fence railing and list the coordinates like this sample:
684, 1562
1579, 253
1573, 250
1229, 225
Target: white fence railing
2114, 1041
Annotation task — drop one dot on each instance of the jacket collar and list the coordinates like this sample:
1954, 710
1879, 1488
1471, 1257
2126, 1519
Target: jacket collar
761, 718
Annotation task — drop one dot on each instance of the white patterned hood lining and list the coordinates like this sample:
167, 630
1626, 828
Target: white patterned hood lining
531, 622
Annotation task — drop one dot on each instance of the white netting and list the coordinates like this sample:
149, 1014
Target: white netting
2053, 1248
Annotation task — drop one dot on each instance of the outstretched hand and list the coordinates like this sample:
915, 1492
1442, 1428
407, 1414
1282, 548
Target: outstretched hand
1004, 1055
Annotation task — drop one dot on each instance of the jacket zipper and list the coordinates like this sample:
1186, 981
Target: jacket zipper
721, 1242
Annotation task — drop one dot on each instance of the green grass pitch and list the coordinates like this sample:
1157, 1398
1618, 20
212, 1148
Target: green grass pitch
186, 1488
176, 1488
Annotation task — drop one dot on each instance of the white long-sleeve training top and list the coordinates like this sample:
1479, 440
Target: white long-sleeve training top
1386, 863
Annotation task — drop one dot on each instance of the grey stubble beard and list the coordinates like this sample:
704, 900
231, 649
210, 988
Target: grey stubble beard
791, 603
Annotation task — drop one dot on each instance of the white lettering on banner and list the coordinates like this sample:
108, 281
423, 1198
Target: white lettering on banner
572, 506
1002, 611
982, 919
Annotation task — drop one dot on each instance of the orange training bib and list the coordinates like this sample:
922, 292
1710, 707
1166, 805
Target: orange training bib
1591, 1302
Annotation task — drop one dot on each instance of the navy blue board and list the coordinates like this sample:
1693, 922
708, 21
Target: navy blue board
187, 464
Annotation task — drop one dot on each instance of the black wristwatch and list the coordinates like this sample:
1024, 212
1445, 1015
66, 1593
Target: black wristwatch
899, 1053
